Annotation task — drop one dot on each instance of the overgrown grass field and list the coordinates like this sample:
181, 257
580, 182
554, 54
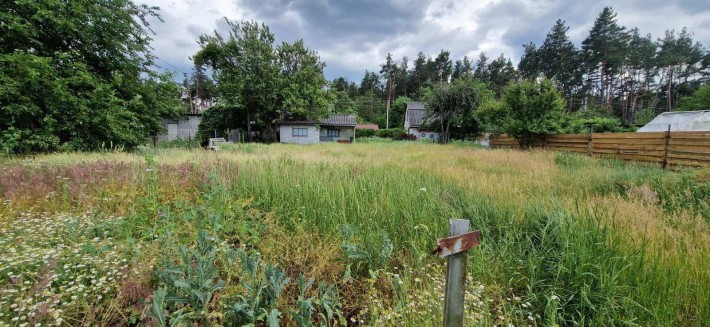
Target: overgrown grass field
341, 234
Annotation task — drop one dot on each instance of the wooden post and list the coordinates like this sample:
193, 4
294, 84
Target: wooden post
590, 141
455, 278
665, 148
544, 142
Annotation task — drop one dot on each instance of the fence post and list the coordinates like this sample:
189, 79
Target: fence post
544, 142
665, 148
455, 278
590, 141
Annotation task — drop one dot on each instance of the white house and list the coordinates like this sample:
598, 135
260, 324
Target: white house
414, 119
679, 121
336, 128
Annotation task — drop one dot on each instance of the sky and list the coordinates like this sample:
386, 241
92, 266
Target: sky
353, 36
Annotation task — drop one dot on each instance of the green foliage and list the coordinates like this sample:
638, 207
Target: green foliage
527, 109
365, 133
700, 100
218, 119
582, 121
263, 286
259, 82
189, 285
325, 304
360, 262
558, 59
453, 104
392, 133
76, 75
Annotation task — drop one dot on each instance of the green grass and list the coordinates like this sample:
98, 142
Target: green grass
567, 239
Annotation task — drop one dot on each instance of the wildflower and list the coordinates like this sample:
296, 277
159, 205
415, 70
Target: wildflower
554, 298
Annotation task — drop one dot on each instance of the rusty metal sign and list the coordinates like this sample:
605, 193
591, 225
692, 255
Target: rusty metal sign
457, 244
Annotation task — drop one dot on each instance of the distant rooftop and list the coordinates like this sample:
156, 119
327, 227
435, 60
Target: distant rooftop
333, 120
415, 105
368, 126
339, 120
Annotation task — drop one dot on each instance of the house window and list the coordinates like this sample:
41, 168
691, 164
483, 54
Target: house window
300, 131
333, 133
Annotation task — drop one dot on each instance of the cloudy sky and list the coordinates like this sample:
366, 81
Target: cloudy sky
352, 36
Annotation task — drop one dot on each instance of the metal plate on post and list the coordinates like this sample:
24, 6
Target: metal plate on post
457, 244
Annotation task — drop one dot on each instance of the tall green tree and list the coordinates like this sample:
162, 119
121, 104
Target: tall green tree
418, 76
680, 58
452, 104
482, 73
605, 51
502, 73
442, 67
526, 110
529, 65
263, 81
462, 68
640, 74
77, 75
559, 60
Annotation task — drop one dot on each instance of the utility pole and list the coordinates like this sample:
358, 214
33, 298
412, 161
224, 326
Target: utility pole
389, 97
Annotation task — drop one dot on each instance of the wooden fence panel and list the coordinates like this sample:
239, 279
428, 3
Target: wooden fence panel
674, 148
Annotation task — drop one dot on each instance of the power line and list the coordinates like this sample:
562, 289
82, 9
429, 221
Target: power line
169, 64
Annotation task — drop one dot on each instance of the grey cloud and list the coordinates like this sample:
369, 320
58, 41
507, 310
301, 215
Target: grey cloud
354, 35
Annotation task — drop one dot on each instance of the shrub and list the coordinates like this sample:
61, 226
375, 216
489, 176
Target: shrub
365, 133
600, 123
391, 133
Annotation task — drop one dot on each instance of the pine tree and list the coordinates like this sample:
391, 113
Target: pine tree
442, 67
501, 72
605, 53
462, 68
529, 65
559, 60
482, 73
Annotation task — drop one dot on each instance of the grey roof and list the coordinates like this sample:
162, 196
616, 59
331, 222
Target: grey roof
415, 117
415, 105
679, 121
298, 122
339, 120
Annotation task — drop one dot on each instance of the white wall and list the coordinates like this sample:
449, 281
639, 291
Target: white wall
183, 129
346, 134
427, 135
286, 134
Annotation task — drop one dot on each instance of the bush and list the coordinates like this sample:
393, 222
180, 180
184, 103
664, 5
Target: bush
580, 123
391, 133
365, 132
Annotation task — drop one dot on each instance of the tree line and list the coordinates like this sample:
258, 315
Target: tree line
80, 76
616, 72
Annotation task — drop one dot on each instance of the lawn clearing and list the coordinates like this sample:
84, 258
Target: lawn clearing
335, 234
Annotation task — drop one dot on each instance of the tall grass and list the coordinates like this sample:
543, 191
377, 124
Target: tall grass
567, 239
